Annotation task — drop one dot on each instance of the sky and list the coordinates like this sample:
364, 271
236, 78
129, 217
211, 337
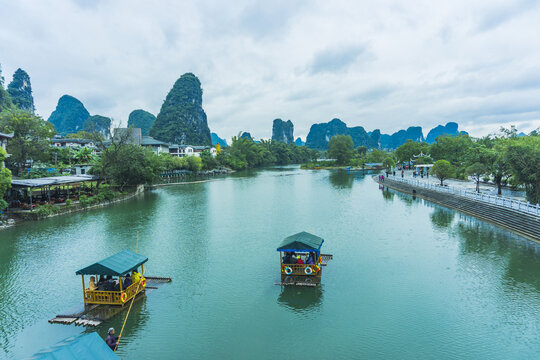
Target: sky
379, 64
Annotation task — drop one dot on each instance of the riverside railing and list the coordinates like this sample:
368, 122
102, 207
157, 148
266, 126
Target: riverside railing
503, 201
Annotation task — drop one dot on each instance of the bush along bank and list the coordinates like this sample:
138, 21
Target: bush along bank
105, 197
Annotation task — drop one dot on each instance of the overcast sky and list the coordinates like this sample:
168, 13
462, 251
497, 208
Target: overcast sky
379, 64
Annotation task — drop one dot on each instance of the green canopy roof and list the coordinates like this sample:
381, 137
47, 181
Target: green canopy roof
116, 265
303, 241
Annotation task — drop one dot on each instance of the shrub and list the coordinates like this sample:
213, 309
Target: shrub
83, 200
69, 202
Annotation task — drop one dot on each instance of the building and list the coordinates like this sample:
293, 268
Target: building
190, 150
73, 143
81, 169
158, 147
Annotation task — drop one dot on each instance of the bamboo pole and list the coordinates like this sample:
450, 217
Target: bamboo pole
130, 305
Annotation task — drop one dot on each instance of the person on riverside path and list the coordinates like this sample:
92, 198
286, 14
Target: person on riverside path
112, 340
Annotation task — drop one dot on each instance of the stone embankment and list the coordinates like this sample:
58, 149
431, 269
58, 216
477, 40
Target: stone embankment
527, 225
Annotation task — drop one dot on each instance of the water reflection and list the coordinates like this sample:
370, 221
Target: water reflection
522, 256
387, 194
301, 298
135, 323
341, 179
441, 217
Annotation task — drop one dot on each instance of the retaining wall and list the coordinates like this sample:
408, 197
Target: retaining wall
527, 225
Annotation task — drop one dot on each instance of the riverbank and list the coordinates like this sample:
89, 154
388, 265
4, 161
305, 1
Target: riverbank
19, 217
527, 225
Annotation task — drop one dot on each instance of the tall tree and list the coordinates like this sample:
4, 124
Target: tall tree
20, 90
31, 136
443, 170
523, 157
341, 148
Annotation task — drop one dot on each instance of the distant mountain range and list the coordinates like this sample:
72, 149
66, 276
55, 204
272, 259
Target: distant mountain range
320, 135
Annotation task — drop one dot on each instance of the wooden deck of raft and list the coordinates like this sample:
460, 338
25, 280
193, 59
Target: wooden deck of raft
95, 314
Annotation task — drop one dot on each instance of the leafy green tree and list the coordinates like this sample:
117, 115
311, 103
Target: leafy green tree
341, 148
195, 163
209, 162
389, 162
443, 170
407, 151
128, 165
477, 170
376, 156
451, 148
83, 155
523, 157
31, 137
5, 179
361, 150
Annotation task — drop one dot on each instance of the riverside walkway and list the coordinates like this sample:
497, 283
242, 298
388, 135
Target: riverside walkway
507, 212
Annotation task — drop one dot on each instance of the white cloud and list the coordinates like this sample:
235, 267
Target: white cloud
384, 64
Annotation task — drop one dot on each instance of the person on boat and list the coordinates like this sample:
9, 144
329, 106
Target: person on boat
299, 260
92, 284
311, 259
135, 277
287, 258
112, 340
127, 282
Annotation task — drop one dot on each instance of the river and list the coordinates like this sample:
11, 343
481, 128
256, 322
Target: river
409, 279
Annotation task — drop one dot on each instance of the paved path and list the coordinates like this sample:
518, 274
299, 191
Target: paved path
466, 185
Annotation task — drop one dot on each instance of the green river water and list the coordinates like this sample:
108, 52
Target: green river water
409, 279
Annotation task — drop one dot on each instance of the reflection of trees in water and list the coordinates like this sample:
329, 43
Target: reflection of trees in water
341, 179
442, 217
522, 256
387, 194
407, 199
301, 298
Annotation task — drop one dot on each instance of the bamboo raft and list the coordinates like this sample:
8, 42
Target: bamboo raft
95, 314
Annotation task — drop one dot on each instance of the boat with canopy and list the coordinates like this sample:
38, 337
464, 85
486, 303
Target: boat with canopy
301, 259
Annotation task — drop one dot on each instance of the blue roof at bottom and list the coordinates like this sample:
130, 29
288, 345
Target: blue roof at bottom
80, 347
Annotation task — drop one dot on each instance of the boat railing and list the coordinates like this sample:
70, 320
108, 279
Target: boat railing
300, 269
111, 297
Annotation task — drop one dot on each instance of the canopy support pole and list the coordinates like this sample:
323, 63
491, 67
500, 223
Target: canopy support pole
83, 291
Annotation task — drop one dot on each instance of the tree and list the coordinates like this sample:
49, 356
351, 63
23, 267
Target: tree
389, 162
443, 170
31, 137
451, 148
341, 148
522, 155
128, 165
83, 155
5, 179
407, 151
476, 170
361, 150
